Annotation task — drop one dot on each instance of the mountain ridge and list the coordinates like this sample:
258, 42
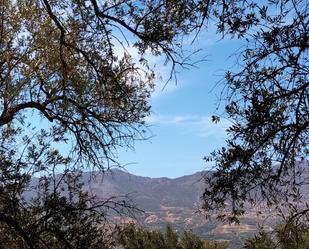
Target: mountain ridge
174, 201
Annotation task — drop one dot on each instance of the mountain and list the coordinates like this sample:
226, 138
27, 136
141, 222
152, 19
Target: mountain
150, 194
175, 201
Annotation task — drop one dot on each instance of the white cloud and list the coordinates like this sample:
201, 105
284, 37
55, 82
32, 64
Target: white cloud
209, 128
163, 69
200, 126
170, 120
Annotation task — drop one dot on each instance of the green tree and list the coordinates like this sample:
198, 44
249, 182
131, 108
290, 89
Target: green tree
260, 241
68, 100
132, 237
288, 235
293, 236
171, 238
70, 95
189, 240
267, 98
209, 244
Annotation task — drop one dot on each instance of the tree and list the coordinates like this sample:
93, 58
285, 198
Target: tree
293, 235
189, 240
285, 236
260, 241
171, 237
266, 156
133, 237
68, 100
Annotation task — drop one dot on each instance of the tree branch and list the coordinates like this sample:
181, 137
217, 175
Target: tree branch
13, 224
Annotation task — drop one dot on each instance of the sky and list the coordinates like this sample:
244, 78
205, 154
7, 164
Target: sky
180, 127
180, 122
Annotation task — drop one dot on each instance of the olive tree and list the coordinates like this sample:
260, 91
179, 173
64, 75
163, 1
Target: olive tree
70, 95
267, 100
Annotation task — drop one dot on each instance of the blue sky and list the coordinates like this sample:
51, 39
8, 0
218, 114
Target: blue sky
180, 122
181, 116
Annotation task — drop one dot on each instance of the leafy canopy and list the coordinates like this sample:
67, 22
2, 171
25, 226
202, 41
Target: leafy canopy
266, 156
68, 100
132, 237
285, 236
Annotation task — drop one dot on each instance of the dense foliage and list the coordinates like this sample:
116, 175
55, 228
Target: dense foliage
69, 99
285, 236
70, 95
132, 237
266, 156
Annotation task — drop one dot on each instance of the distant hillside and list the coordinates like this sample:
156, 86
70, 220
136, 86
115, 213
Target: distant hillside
150, 194
174, 201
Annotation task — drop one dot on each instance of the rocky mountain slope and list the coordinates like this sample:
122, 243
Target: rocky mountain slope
174, 201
